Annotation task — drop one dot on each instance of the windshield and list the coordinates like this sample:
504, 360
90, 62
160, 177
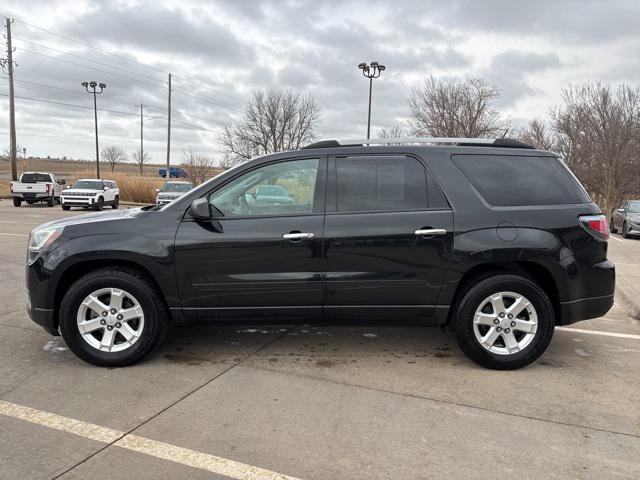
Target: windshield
272, 190
88, 185
634, 207
35, 178
177, 187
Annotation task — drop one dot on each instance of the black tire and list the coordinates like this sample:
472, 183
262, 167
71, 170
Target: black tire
99, 204
17, 201
51, 201
133, 282
66, 207
625, 230
30, 202
473, 296
116, 203
613, 227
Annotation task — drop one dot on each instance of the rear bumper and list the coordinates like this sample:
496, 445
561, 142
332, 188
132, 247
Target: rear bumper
30, 196
584, 309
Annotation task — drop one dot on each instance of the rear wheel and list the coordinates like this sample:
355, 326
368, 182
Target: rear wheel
625, 230
503, 321
51, 201
66, 207
112, 317
99, 204
17, 201
613, 227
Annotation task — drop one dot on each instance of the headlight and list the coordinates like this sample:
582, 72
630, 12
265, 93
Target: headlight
40, 239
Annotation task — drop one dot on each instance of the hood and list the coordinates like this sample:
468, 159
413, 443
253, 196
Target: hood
80, 190
94, 217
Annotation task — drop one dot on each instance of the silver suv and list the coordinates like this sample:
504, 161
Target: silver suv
172, 190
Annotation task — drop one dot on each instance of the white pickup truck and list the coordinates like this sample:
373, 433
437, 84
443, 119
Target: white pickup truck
36, 187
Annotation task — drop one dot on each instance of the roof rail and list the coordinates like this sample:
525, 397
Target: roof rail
466, 142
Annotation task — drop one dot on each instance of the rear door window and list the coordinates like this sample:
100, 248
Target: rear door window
513, 180
383, 184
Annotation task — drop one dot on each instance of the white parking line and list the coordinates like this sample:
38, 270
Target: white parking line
599, 332
616, 238
165, 451
20, 223
14, 234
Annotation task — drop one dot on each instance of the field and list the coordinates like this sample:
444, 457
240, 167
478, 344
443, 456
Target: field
133, 186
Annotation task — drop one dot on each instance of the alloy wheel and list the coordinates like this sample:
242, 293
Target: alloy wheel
110, 319
505, 323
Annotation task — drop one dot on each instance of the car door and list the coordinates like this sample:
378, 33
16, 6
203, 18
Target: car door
255, 258
388, 236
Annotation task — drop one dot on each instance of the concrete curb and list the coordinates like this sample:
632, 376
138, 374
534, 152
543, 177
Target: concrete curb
628, 297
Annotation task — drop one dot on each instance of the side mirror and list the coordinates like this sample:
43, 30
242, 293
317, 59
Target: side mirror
157, 190
68, 186
106, 188
199, 209
620, 210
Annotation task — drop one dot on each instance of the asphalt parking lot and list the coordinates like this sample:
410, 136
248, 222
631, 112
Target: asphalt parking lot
311, 402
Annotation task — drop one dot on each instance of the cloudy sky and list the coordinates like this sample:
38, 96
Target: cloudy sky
221, 51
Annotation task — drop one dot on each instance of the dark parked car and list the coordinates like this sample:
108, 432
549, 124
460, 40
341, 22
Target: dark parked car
627, 219
493, 238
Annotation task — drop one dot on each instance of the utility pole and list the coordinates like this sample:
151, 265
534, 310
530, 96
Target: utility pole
168, 130
371, 71
13, 160
93, 86
141, 141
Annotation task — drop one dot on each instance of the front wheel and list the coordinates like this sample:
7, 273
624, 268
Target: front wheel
116, 203
66, 207
112, 317
503, 322
99, 204
613, 227
17, 201
625, 230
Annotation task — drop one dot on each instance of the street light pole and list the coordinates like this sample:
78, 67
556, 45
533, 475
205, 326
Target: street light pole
93, 86
371, 71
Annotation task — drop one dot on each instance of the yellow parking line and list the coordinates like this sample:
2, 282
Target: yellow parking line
154, 448
599, 332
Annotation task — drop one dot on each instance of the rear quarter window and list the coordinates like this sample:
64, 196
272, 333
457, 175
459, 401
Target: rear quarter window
514, 180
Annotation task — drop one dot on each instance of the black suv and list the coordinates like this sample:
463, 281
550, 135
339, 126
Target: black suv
491, 237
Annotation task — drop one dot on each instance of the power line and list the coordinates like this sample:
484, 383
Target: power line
116, 112
88, 59
198, 97
89, 67
89, 46
233, 97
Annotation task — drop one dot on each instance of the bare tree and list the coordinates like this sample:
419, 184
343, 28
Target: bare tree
598, 134
140, 159
399, 130
113, 155
198, 167
456, 108
273, 121
538, 134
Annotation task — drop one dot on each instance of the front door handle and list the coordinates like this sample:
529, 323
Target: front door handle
297, 236
425, 232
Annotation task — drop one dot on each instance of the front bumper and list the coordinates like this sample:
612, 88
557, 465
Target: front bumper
83, 201
45, 317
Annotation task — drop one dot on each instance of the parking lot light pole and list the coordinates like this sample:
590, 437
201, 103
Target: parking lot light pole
371, 71
92, 84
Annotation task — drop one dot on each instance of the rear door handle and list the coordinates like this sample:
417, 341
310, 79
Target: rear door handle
297, 236
430, 231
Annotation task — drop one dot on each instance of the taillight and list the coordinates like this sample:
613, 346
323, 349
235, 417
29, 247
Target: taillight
48, 185
11, 187
596, 225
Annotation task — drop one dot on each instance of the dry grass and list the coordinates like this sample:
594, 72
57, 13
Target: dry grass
4, 188
133, 188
